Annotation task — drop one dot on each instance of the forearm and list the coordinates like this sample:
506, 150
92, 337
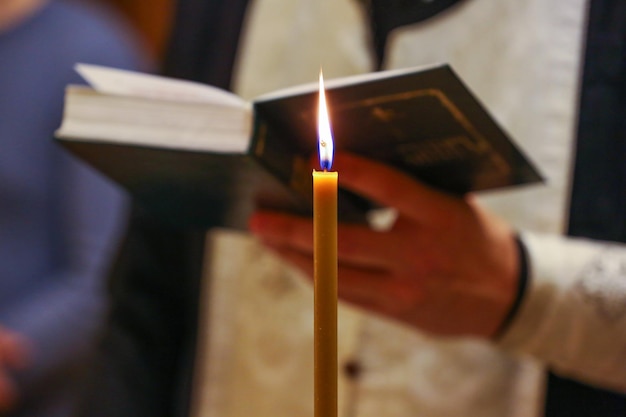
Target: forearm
573, 315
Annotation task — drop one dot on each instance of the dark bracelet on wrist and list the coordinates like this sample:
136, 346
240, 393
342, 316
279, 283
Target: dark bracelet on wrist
522, 284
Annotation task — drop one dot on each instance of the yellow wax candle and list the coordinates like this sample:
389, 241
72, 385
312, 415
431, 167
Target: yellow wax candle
325, 270
325, 292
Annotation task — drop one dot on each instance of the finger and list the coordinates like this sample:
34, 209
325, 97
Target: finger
389, 187
359, 286
375, 290
283, 229
362, 247
356, 245
378, 290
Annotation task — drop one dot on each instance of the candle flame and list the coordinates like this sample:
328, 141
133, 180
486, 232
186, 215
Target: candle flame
324, 134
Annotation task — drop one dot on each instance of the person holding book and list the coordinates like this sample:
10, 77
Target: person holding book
554, 299
568, 298
60, 220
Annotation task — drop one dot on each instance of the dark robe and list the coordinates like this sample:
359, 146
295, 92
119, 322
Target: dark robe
598, 199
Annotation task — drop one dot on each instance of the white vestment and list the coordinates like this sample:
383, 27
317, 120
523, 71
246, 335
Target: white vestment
522, 60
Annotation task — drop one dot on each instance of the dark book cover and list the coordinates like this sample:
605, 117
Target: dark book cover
425, 123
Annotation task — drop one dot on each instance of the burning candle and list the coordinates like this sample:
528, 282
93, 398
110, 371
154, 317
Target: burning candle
325, 269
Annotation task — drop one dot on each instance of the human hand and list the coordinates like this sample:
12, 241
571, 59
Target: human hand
446, 266
13, 356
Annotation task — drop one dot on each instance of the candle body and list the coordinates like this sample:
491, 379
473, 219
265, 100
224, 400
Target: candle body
325, 293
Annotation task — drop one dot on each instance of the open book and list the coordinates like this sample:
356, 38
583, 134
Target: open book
202, 156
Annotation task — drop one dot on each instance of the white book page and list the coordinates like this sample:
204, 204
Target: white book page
122, 82
94, 116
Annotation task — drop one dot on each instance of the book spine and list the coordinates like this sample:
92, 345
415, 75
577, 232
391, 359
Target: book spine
277, 152
272, 148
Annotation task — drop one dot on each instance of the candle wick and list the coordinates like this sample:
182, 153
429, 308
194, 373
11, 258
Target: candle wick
325, 165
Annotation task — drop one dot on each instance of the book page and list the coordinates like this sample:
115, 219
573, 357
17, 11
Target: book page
136, 84
93, 116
